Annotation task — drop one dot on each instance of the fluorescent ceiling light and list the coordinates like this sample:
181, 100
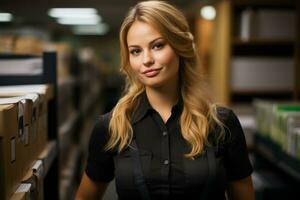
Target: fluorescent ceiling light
79, 21
99, 29
5, 17
72, 12
208, 12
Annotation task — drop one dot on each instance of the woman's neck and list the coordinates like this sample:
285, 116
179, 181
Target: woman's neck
162, 100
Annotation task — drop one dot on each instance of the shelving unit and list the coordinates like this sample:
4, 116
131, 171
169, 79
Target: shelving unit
236, 34
75, 128
272, 152
220, 42
71, 115
50, 155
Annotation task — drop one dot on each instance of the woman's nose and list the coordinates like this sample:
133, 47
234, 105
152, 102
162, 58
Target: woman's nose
148, 59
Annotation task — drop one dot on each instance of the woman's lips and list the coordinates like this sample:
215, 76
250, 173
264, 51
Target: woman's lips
151, 72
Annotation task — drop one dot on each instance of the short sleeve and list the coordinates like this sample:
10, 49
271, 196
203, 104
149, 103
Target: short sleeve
236, 160
100, 164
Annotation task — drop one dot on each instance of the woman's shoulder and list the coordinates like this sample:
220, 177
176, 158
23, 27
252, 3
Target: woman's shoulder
228, 117
231, 124
224, 114
233, 127
105, 118
101, 124
102, 121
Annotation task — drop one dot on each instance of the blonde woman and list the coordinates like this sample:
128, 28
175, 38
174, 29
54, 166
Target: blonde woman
165, 139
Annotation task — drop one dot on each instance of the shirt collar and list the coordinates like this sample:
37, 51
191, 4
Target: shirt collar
144, 107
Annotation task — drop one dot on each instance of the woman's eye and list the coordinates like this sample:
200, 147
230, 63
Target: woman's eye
158, 46
134, 51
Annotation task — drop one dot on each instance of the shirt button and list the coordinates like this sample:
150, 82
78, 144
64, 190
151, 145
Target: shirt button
165, 133
166, 162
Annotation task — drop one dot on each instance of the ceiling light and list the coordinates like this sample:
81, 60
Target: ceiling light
5, 17
72, 12
79, 21
208, 12
99, 29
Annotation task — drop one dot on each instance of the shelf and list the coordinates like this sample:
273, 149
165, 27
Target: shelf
249, 96
35, 177
23, 192
283, 48
272, 152
262, 92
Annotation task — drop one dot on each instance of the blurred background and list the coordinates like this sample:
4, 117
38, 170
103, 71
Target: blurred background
66, 52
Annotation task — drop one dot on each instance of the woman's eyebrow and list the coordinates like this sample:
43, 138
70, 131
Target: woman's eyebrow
150, 43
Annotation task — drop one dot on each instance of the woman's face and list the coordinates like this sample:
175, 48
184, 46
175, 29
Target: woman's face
152, 59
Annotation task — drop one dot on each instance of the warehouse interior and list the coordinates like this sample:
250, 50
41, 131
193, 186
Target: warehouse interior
57, 75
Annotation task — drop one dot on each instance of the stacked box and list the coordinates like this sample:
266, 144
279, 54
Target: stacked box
293, 146
22, 193
35, 177
11, 148
28, 45
280, 122
263, 116
45, 93
26, 125
297, 134
284, 118
29, 139
6, 43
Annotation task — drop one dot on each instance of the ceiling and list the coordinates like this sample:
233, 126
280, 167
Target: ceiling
34, 12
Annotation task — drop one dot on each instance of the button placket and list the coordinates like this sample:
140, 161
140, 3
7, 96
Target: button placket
165, 146
165, 153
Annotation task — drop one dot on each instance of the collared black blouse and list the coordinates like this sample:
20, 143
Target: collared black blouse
169, 175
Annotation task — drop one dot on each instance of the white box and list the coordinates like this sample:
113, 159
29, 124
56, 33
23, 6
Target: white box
262, 74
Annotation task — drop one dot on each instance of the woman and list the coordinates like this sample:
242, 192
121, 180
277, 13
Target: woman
165, 139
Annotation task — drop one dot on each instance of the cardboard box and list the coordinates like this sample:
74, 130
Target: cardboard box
28, 45
7, 43
275, 73
24, 123
17, 90
22, 193
45, 93
10, 149
35, 177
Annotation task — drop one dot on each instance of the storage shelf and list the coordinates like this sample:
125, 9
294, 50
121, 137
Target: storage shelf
282, 48
272, 152
248, 97
263, 92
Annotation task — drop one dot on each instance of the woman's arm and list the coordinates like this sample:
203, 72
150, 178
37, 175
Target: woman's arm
241, 189
90, 190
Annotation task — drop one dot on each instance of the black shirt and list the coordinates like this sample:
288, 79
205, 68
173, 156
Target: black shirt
169, 175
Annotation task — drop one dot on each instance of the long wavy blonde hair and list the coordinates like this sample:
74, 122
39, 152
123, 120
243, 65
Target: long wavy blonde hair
198, 113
